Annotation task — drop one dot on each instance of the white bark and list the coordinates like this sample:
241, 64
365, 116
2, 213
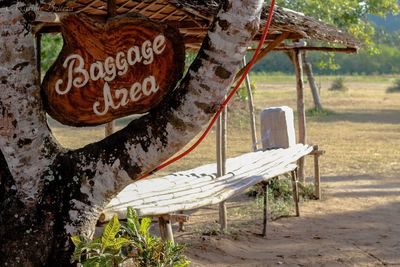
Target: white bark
70, 188
24, 135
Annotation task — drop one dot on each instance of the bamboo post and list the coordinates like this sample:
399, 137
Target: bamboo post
251, 109
265, 210
295, 191
301, 112
221, 163
218, 145
38, 55
317, 175
224, 141
165, 229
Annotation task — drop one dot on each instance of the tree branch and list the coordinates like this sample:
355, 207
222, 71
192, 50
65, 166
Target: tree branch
106, 167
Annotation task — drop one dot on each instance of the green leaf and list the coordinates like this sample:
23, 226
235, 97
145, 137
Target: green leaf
94, 245
80, 242
102, 261
76, 240
144, 226
92, 262
132, 220
120, 242
110, 231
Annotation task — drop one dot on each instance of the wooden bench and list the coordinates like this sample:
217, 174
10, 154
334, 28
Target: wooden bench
167, 197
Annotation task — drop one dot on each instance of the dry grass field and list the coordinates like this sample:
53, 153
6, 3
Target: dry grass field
357, 223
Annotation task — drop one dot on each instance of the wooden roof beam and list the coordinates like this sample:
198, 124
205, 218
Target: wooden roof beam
264, 52
348, 50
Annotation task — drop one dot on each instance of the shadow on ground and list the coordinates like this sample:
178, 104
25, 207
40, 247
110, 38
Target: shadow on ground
363, 116
356, 224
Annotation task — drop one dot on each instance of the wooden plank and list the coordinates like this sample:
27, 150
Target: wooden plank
154, 189
347, 50
207, 198
207, 192
148, 188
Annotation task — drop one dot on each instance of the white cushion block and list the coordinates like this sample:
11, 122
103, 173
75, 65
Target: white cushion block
277, 127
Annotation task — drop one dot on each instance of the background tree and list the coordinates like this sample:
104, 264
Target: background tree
350, 15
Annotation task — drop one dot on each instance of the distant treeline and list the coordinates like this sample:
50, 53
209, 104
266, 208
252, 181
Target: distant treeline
386, 62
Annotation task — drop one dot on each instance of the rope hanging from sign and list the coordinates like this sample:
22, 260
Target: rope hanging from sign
228, 98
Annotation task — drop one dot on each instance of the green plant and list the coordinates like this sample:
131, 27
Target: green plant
315, 112
280, 189
125, 241
241, 93
338, 85
307, 191
395, 88
51, 47
280, 196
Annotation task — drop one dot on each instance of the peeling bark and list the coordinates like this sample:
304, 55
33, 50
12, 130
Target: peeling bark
48, 192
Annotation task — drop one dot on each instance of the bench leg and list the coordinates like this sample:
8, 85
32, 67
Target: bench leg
295, 190
181, 224
317, 177
265, 210
223, 221
166, 229
301, 171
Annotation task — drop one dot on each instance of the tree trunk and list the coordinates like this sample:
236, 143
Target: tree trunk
311, 81
310, 76
47, 192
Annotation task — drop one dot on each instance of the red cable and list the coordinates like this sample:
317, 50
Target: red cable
223, 105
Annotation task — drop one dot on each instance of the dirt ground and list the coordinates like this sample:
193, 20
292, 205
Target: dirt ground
357, 223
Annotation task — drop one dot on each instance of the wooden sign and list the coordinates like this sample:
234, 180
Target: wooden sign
107, 70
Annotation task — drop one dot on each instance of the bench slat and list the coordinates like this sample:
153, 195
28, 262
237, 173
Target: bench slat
196, 188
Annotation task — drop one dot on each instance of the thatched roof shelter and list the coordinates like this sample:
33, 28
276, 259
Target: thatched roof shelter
194, 17
290, 31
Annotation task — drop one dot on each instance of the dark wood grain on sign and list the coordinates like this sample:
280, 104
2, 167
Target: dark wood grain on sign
97, 41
